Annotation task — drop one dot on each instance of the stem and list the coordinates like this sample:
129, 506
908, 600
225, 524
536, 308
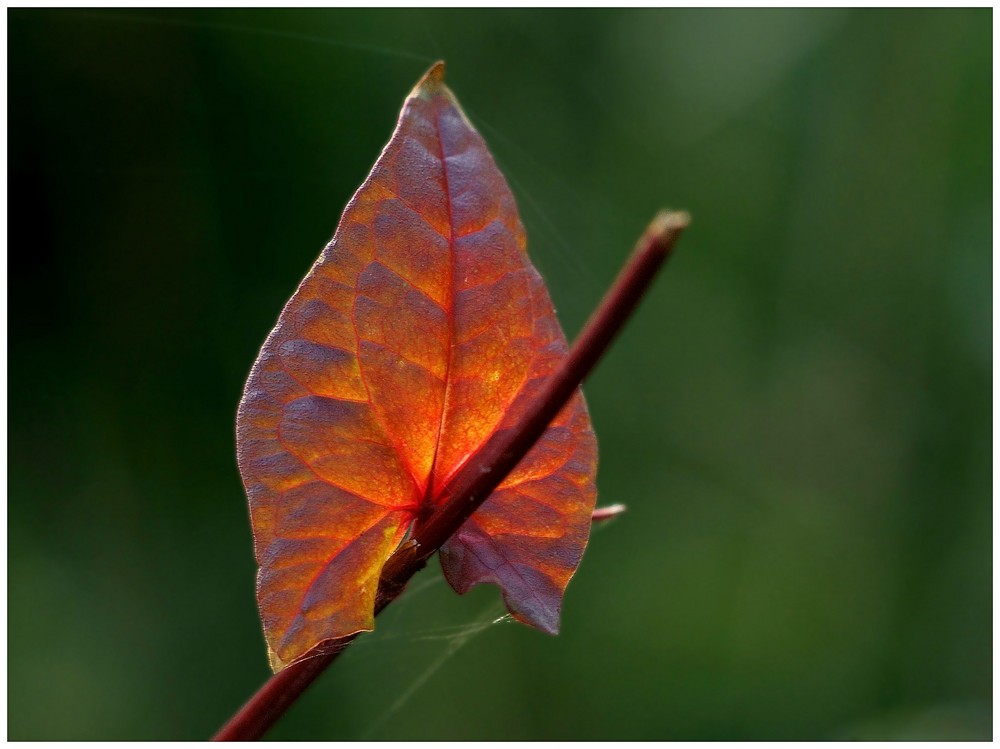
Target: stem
473, 483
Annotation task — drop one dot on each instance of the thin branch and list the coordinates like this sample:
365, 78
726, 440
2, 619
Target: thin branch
472, 484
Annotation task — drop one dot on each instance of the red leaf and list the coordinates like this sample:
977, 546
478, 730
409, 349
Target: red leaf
421, 330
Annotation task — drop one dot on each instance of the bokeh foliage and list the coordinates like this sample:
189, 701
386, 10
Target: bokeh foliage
798, 418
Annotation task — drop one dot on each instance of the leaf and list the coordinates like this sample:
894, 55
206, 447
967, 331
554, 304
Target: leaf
421, 330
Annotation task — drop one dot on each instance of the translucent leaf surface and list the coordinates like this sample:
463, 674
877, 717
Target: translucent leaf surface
421, 330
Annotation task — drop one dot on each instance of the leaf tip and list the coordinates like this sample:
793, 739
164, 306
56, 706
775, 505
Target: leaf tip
431, 82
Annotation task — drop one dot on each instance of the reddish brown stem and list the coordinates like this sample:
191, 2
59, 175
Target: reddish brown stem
474, 482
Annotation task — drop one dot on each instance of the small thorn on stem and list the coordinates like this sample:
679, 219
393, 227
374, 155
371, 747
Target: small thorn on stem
601, 514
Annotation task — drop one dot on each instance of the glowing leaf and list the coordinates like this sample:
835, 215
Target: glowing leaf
421, 330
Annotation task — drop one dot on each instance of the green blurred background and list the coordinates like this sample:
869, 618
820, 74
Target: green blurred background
798, 418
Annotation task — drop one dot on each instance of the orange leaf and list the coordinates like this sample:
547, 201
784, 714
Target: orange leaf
421, 330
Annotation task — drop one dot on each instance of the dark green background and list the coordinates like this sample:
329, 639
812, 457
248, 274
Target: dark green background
798, 417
